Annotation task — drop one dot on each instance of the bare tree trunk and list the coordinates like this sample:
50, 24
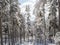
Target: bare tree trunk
44, 26
1, 27
59, 14
1, 33
8, 35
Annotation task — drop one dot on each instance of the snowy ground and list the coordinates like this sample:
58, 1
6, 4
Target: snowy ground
30, 43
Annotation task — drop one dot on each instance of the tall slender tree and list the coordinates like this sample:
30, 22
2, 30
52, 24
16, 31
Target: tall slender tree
1, 23
59, 13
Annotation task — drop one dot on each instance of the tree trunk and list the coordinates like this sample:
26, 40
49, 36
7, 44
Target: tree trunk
1, 28
59, 14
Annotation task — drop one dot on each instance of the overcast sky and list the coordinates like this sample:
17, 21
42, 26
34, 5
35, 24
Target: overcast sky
30, 3
23, 1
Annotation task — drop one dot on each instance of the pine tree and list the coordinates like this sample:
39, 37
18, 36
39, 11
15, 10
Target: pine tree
51, 18
4, 17
13, 10
40, 19
27, 21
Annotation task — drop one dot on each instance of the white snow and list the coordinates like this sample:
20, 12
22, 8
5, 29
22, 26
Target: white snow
52, 44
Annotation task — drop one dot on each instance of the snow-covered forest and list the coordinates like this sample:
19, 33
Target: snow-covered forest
29, 22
